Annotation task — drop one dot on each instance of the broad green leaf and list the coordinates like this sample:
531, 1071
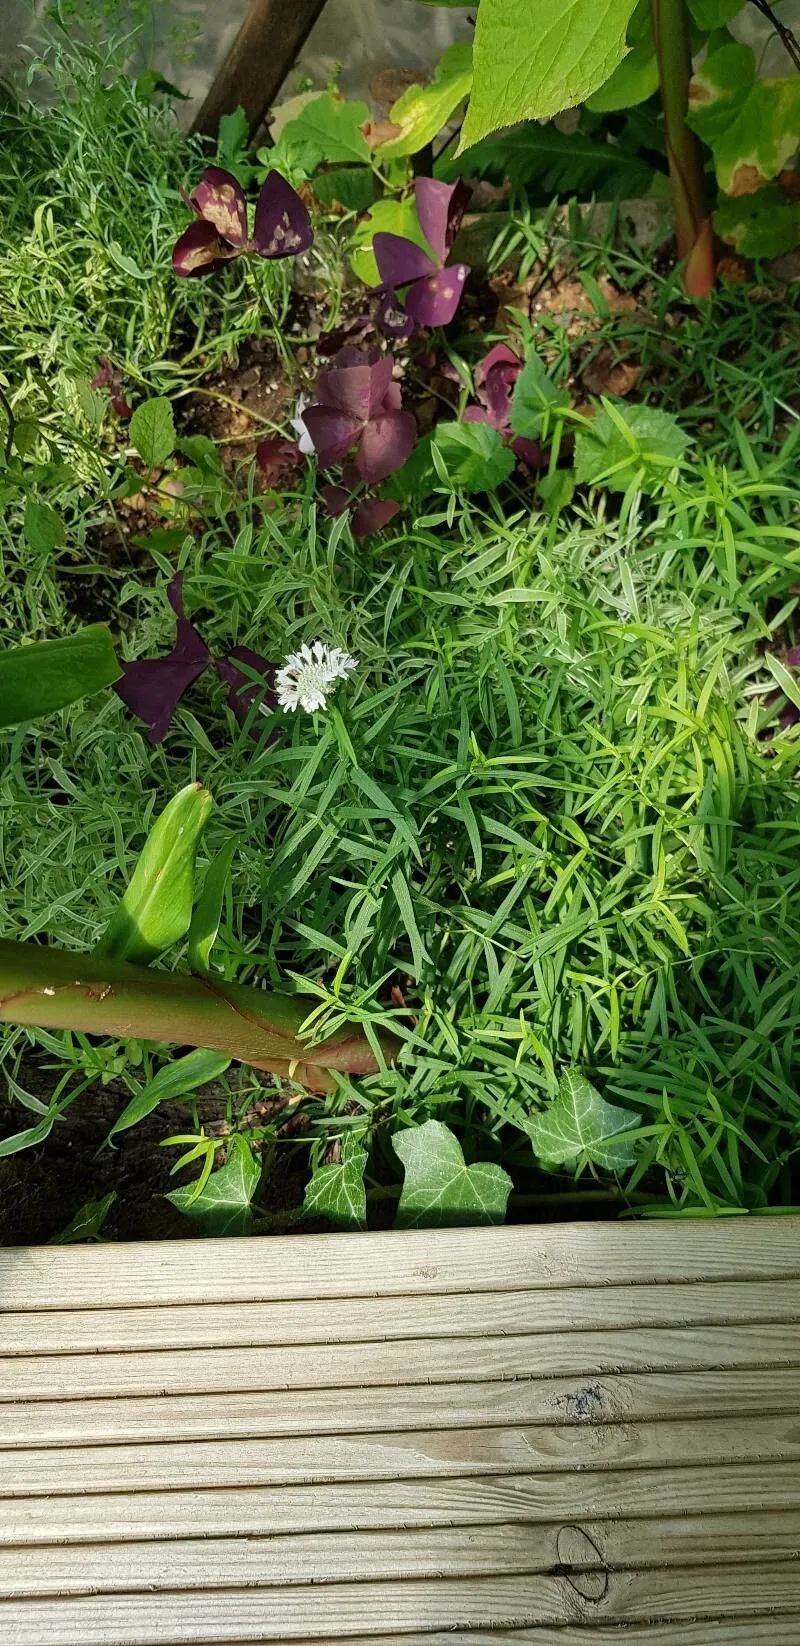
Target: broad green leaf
352, 187
152, 431
156, 909
206, 918
337, 1191
580, 1126
43, 528
636, 77
329, 129
752, 126
472, 457
224, 1203
535, 396
556, 490
36, 680
533, 61
416, 477
87, 1222
765, 224
440, 1190
712, 14
422, 111
182, 1075
386, 217
648, 446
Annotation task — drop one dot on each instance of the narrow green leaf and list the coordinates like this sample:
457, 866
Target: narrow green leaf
440, 1190
206, 918
152, 431
36, 680
175, 1079
337, 1191
579, 1126
87, 1222
224, 1203
156, 909
789, 683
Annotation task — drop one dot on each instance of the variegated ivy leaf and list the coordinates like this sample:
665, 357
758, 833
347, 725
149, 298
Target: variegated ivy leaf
580, 1126
752, 126
760, 225
440, 1189
337, 1191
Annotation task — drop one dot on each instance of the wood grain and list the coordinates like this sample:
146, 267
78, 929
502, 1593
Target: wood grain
413, 1263
573, 1436
612, 1398
261, 1325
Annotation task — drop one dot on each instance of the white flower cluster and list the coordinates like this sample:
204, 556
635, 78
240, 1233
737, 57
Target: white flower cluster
309, 676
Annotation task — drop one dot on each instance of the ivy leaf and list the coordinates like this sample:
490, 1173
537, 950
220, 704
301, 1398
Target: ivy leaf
337, 1191
535, 394
765, 224
471, 457
36, 680
43, 528
156, 909
87, 1222
329, 128
152, 431
440, 1190
628, 443
175, 1079
224, 1202
580, 1126
752, 126
532, 62
422, 111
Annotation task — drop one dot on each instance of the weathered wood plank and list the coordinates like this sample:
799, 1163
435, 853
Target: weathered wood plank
410, 1263
577, 1495
469, 1551
571, 1354
230, 1325
614, 1398
420, 1454
342, 1609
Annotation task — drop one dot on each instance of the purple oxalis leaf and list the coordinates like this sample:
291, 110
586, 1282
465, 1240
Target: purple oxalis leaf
386, 442
433, 301
494, 382
332, 432
371, 514
391, 318
440, 209
282, 225
200, 250
278, 459
399, 260
219, 199
336, 499
152, 687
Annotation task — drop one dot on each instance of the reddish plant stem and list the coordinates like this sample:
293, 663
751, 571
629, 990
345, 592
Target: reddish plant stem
51, 989
684, 154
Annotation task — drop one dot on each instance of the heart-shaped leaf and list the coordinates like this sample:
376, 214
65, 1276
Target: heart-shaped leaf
440, 1190
580, 1126
152, 431
337, 1191
224, 1202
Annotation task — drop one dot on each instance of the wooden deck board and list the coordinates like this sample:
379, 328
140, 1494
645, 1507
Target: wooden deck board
563, 1436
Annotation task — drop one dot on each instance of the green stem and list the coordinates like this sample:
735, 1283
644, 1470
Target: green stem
51, 989
684, 155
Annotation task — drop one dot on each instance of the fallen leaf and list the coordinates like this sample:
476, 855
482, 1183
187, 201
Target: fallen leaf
608, 375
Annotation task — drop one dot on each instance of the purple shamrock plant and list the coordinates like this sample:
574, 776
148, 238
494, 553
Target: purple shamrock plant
152, 687
432, 286
495, 378
282, 225
370, 514
358, 408
109, 377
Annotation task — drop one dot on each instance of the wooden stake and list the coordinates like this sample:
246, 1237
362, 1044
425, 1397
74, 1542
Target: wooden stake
268, 42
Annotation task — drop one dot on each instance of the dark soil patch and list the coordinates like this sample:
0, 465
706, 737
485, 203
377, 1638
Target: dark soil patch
42, 1188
